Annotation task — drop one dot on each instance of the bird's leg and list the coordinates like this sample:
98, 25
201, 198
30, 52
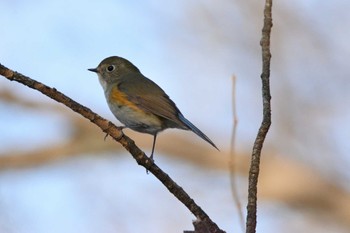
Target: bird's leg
153, 146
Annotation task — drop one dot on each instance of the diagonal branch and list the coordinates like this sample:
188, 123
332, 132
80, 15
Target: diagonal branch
266, 122
118, 136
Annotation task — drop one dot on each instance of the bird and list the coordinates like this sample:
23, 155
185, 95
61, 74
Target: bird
138, 102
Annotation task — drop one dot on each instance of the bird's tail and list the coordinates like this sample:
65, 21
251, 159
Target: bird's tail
196, 130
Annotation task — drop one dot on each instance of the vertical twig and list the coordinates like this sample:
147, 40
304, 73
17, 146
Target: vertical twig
266, 122
233, 161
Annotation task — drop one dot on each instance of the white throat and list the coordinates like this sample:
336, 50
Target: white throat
102, 82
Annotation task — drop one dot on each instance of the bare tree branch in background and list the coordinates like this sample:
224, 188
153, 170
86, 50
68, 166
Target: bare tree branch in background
81, 140
233, 157
266, 122
124, 140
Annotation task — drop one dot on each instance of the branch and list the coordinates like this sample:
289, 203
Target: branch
118, 136
266, 122
233, 157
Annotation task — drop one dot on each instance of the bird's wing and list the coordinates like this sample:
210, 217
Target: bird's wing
150, 97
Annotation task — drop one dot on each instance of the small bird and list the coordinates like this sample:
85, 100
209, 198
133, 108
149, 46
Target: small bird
138, 102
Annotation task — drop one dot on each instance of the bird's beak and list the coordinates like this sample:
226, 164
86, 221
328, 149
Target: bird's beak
93, 70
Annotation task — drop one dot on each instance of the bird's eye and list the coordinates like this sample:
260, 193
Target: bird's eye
110, 68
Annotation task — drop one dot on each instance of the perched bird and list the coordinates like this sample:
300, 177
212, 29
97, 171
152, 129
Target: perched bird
138, 102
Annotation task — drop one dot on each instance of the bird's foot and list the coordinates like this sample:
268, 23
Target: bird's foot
119, 128
151, 162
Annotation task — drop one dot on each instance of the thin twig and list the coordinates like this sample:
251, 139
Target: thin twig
118, 136
266, 122
234, 189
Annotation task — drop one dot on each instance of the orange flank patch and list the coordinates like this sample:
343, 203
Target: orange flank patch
120, 99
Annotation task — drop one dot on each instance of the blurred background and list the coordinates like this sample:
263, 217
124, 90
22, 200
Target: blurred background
59, 175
